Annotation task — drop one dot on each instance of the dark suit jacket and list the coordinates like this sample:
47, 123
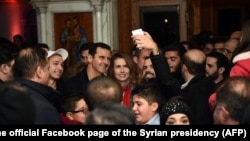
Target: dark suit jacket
45, 100
197, 93
76, 83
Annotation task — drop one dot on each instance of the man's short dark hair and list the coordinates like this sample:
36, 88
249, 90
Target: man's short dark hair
42, 45
149, 91
28, 60
8, 52
103, 88
234, 94
92, 50
86, 46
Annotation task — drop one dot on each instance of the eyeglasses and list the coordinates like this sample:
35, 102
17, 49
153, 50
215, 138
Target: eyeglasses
227, 51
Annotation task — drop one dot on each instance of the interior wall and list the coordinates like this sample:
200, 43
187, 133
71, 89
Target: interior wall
25, 21
128, 14
18, 17
222, 25
125, 25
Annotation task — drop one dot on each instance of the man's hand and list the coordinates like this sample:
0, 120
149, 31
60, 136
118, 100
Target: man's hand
145, 42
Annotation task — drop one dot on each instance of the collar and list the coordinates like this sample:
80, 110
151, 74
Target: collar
241, 56
155, 120
185, 84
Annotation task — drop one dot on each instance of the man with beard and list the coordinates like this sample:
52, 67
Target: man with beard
156, 70
139, 56
173, 53
148, 70
216, 65
216, 69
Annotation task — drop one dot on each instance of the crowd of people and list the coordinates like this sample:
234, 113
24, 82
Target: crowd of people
203, 81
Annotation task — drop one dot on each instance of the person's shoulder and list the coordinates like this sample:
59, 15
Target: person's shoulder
240, 69
202, 80
80, 76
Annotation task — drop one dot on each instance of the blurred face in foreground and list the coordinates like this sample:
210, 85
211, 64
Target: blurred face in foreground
84, 56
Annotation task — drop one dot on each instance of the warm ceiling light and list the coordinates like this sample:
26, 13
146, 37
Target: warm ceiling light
165, 20
9, 1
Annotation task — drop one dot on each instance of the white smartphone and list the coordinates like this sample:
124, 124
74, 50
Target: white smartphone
138, 31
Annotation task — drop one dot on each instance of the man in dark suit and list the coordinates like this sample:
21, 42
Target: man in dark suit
98, 64
32, 71
197, 87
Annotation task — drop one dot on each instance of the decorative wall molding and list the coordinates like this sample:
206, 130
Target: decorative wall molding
105, 21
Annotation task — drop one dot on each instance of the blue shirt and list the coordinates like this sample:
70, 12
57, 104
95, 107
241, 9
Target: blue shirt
155, 120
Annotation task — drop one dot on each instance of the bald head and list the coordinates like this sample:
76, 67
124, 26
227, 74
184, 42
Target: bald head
236, 85
196, 55
234, 95
195, 59
235, 34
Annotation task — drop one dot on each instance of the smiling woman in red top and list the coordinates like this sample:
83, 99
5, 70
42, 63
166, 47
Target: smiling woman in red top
123, 69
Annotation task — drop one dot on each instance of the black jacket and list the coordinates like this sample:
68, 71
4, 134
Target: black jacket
76, 84
168, 85
45, 99
197, 93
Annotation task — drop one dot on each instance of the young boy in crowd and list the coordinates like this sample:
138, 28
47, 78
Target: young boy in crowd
146, 104
74, 109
